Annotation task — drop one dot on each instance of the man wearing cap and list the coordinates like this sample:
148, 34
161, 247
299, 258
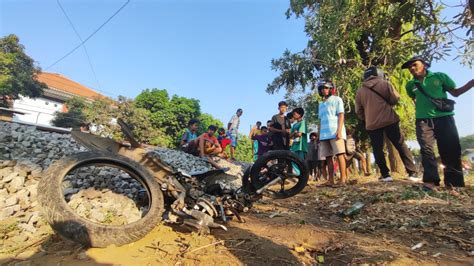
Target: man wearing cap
374, 104
332, 132
434, 125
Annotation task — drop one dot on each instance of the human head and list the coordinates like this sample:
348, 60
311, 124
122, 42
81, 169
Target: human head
417, 66
298, 113
373, 72
264, 130
211, 130
313, 136
239, 112
282, 107
269, 122
193, 124
221, 131
289, 115
325, 88
258, 124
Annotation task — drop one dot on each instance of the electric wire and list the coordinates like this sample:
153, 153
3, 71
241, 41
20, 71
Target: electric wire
83, 46
90, 36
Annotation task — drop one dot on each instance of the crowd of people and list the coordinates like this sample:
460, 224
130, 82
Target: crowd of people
331, 149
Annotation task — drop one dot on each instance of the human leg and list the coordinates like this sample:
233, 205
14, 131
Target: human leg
397, 139
376, 140
449, 148
426, 139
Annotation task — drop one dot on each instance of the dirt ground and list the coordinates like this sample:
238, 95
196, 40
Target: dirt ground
399, 225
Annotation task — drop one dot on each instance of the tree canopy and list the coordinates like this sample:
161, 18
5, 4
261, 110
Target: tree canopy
346, 37
17, 71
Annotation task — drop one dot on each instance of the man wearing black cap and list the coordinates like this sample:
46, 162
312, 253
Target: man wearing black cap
435, 124
374, 104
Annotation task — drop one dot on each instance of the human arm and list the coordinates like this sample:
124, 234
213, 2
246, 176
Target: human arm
393, 96
457, 92
184, 139
359, 108
340, 118
340, 125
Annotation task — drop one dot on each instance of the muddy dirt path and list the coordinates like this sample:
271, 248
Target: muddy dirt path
304, 230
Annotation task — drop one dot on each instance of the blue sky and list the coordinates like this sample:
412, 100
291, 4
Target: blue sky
218, 52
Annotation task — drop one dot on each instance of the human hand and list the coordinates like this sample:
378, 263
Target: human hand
338, 135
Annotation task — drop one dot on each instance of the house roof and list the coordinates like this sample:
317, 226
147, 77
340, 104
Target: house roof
61, 83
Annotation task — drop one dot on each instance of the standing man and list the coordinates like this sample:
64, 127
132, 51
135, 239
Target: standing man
332, 132
433, 124
233, 129
374, 104
280, 128
254, 132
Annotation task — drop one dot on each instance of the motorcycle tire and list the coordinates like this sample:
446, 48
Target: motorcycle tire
70, 225
251, 184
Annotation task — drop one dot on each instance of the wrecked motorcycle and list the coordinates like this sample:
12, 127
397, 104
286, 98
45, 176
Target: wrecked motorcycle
196, 200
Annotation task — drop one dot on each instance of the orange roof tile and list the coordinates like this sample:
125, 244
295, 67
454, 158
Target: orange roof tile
61, 83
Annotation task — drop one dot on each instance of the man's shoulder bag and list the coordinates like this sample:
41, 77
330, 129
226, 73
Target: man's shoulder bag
442, 104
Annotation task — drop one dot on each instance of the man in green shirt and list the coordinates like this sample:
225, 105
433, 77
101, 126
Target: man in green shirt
299, 134
433, 125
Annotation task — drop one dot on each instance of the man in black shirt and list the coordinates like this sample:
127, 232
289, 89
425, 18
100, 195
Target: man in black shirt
280, 128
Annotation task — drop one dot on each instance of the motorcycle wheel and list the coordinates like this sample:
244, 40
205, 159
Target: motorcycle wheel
66, 222
274, 164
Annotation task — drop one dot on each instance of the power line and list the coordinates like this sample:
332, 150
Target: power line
90, 36
83, 46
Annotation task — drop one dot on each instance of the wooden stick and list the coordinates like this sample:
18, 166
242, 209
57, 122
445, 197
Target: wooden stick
206, 246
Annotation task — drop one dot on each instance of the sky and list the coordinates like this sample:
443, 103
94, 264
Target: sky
218, 52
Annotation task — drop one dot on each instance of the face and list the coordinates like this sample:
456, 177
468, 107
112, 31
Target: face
325, 91
296, 116
265, 131
259, 124
222, 133
283, 108
417, 69
239, 113
194, 127
211, 132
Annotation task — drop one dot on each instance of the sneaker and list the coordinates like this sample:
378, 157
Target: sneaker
414, 178
386, 179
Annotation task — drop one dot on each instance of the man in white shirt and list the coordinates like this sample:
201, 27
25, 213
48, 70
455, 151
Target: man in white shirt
232, 131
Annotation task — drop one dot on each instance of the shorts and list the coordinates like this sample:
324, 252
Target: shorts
233, 140
191, 148
331, 147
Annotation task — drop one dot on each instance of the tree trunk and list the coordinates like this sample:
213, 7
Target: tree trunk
368, 161
396, 163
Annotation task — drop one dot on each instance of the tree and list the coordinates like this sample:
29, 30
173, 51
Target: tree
243, 152
205, 120
171, 116
17, 71
467, 142
346, 37
74, 117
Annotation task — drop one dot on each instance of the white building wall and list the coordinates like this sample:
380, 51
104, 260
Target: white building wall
470, 157
38, 111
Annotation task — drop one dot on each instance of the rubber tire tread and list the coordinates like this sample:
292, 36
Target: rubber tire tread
273, 155
68, 224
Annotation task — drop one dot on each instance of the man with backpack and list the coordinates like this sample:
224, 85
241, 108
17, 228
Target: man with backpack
374, 104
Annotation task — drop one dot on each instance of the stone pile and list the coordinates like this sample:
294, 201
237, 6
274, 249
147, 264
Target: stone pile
105, 195
20, 142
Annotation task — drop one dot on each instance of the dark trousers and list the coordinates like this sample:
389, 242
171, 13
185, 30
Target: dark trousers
396, 138
313, 167
442, 130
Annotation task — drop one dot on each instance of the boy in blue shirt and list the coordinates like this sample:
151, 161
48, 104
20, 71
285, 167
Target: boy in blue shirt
332, 132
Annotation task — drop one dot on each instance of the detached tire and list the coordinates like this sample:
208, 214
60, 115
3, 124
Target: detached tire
251, 176
68, 224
